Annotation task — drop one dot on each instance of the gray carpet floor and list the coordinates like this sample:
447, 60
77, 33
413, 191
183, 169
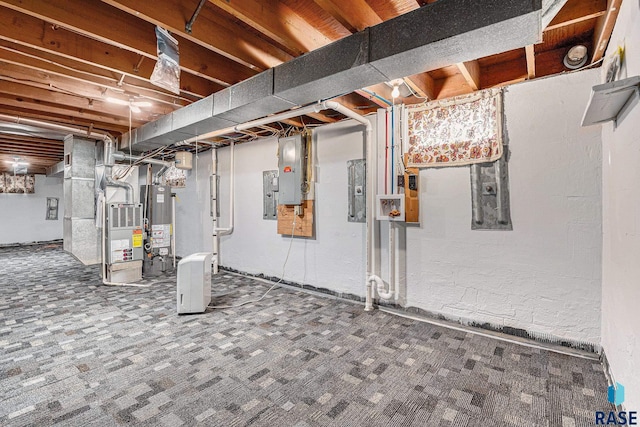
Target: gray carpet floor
73, 352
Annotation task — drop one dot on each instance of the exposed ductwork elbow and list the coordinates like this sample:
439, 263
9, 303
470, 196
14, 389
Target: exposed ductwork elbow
108, 169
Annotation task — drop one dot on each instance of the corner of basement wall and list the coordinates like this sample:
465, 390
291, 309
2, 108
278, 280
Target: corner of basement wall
23, 215
621, 222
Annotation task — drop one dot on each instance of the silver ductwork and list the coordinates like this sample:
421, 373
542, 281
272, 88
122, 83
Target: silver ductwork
109, 161
433, 36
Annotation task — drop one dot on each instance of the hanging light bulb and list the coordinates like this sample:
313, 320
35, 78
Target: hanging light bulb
395, 92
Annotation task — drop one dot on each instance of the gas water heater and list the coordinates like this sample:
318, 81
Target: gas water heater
158, 225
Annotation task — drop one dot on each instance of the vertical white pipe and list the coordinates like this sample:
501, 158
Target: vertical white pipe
228, 230
173, 229
214, 206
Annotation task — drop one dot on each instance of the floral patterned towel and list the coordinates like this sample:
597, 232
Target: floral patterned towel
456, 132
10, 183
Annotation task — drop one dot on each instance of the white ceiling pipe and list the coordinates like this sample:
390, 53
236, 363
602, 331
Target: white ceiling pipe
54, 126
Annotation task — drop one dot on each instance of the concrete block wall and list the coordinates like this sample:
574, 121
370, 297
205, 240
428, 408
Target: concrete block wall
544, 276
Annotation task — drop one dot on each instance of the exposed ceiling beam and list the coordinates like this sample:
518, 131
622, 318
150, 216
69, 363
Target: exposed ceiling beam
89, 93
575, 11
355, 15
17, 95
99, 21
31, 110
531, 61
423, 85
211, 31
43, 151
30, 139
372, 98
279, 23
470, 70
36, 34
604, 28
47, 72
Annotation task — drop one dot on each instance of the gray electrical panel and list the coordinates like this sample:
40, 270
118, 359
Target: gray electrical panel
357, 197
159, 229
291, 170
270, 195
490, 195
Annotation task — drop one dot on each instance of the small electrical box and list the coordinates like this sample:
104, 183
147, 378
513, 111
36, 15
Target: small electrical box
291, 170
270, 194
184, 160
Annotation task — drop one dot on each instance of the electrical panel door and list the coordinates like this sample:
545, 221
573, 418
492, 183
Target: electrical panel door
291, 170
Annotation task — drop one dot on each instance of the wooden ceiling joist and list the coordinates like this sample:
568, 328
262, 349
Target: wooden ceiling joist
83, 16
470, 70
211, 31
531, 61
280, 24
37, 34
575, 11
604, 28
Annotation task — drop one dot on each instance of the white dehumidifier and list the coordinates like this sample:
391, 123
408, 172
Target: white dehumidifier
194, 283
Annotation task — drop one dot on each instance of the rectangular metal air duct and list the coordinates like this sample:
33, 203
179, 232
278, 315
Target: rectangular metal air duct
433, 36
250, 99
449, 32
337, 68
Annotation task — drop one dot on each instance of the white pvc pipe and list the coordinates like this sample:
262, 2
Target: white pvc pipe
213, 193
223, 231
384, 294
173, 229
54, 126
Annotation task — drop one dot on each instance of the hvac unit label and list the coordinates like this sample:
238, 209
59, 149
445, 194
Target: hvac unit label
136, 238
161, 236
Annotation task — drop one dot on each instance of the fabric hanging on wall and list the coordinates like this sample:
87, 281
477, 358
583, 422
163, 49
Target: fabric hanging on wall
460, 131
17, 184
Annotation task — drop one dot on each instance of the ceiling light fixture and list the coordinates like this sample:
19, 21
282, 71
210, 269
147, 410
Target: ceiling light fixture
576, 57
17, 163
133, 105
395, 92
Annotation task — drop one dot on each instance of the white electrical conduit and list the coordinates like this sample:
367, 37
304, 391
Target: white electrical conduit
371, 171
54, 126
156, 177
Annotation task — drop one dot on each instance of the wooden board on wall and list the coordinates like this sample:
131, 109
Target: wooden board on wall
304, 222
411, 197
